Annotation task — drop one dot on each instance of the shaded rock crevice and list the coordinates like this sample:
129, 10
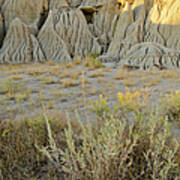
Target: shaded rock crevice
43, 17
131, 34
2, 30
104, 23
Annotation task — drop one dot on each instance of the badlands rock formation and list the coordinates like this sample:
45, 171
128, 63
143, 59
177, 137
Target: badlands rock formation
140, 33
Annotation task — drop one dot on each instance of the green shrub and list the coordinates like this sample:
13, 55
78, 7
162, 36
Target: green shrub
92, 62
171, 106
19, 159
117, 148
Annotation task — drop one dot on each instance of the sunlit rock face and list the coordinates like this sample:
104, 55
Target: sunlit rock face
136, 27
165, 12
141, 33
134, 3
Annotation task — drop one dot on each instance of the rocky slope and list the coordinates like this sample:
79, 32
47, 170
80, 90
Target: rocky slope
140, 33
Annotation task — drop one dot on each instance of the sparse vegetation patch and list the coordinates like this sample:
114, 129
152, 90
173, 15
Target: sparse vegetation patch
116, 134
114, 148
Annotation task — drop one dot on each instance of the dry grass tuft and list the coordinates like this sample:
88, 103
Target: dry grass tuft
96, 74
121, 75
129, 82
152, 81
170, 75
69, 83
49, 80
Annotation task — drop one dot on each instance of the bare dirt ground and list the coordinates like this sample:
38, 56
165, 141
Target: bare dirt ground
24, 89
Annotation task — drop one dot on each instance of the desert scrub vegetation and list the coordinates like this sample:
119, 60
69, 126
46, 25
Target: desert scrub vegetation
128, 141
171, 106
116, 148
19, 158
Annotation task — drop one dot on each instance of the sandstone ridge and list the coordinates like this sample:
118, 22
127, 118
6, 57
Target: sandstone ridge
139, 33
